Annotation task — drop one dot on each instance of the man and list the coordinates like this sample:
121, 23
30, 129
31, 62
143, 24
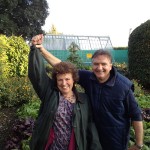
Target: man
112, 99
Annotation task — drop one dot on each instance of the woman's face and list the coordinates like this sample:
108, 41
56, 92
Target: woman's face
65, 83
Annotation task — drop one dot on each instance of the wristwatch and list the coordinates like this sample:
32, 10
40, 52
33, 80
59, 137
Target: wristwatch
139, 146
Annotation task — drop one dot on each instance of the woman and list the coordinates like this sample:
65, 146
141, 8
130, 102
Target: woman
65, 119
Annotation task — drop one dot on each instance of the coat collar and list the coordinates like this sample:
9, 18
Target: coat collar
80, 98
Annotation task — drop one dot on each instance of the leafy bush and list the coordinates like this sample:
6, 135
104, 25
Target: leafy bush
146, 114
15, 91
122, 68
139, 91
144, 102
22, 130
23, 126
3, 57
13, 56
30, 109
142, 97
25, 144
138, 54
120, 48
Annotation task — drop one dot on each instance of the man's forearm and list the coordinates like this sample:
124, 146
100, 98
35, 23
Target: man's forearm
138, 128
51, 59
37, 42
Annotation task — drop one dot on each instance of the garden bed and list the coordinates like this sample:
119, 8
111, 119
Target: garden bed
7, 117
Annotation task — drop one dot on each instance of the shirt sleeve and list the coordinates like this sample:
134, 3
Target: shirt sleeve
37, 73
84, 77
134, 110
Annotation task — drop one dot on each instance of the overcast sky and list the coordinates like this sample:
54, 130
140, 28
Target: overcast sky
113, 18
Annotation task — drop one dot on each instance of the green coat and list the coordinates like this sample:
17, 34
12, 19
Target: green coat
85, 131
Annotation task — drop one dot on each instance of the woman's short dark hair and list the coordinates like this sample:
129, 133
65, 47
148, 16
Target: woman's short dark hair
65, 67
102, 52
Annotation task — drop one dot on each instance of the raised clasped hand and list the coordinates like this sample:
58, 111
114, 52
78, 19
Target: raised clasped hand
37, 40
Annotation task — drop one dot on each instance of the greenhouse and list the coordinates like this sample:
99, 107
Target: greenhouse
62, 42
58, 45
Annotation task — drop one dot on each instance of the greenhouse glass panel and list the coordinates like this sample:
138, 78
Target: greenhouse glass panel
62, 42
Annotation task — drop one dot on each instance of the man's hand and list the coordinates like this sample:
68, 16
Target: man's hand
37, 40
133, 147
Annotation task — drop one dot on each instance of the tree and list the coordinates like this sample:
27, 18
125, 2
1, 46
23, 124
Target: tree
74, 57
139, 54
22, 17
53, 30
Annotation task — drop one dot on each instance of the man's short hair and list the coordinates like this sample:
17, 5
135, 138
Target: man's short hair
102, 52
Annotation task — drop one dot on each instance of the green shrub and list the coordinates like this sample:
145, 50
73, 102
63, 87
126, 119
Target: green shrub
144, 102
139, 91
15, 91
122, 68
3, 57
13, 56
21, 133
74, 56
120, 48
25, 144
142, 97
29, 110
139, 53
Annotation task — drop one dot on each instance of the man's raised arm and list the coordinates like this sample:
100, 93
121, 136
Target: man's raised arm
51, 59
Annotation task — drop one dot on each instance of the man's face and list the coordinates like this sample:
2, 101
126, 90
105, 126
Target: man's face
101, 66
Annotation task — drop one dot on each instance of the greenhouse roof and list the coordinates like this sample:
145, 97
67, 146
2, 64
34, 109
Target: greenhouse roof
62, 42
